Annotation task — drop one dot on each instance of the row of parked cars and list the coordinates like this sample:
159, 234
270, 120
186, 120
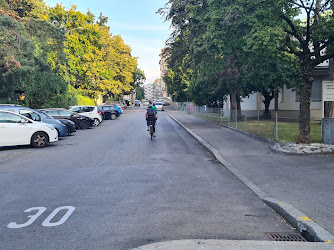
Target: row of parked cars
21, 125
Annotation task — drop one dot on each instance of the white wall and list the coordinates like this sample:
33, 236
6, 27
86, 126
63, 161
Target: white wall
249, 103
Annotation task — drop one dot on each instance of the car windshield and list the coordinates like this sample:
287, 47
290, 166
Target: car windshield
45, 115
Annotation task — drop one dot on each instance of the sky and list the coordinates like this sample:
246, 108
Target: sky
137, 23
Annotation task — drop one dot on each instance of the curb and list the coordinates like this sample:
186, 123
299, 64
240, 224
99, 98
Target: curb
307, 227
201, 244
274, 150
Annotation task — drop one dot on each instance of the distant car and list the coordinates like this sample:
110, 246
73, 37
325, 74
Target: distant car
36, 116
109, 112
90, 111
16, 129
159, 106
80, 121
137, 103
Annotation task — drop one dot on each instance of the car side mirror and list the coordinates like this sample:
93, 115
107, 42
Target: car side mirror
23, 121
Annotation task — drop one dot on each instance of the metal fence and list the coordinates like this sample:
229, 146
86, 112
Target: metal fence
270, 126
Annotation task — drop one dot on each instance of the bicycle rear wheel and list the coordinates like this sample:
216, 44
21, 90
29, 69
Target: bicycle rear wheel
151, 131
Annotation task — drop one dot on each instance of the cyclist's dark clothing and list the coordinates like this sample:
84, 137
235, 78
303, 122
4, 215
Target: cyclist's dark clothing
151, 118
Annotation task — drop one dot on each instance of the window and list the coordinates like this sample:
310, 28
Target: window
76, 109
9, 118
282, 94
87, 109
45, 115
30, 114
316, 90
65, 113
297, 97
52, 112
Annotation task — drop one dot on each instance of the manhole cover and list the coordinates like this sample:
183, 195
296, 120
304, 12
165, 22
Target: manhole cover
285, 237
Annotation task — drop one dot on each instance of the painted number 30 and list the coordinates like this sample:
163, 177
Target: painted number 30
47, 222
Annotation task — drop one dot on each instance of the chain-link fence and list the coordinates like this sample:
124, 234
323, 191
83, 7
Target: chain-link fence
257, 122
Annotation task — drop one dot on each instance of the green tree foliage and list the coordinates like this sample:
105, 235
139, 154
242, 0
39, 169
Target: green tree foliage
237, 47
140, 93
25, 8
309, 40
25, 71
97, 62
58, 57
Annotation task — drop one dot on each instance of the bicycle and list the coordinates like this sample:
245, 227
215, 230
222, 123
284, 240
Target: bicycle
151, 129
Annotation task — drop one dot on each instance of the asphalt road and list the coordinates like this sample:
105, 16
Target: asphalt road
111, 187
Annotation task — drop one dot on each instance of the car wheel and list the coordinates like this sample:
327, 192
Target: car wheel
113, 116
96, 122
84, 124
68, 130
39, 140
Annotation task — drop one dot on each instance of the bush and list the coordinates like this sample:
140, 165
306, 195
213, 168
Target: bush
84, 100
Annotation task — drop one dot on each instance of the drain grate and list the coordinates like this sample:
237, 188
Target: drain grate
286, 237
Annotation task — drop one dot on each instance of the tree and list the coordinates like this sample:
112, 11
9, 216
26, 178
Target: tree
309, 40
29, 49
98, 63
25, 8
214, 34
140, 93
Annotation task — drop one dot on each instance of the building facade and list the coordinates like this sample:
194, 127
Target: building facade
288, 99
163, 72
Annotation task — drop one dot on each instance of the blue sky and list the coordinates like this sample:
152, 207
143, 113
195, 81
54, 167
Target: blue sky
135, 20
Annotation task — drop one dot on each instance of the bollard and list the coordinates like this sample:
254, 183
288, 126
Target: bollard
245, 120
221, 116
258, 123
276, 127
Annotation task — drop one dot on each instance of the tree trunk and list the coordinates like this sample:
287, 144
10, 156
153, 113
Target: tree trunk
305, 107
268, 96
234, 104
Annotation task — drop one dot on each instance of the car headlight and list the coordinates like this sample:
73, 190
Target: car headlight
50, 127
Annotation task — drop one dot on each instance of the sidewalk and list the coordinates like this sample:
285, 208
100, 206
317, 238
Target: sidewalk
300, 188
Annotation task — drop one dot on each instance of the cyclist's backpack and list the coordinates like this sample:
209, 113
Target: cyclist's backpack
150, 112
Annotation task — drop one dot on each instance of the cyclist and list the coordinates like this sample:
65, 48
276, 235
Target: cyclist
154, 108
151, 118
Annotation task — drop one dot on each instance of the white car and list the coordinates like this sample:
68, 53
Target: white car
159, 106
89, 111
17, 129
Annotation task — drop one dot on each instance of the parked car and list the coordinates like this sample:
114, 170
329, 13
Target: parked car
17, 129
70, 126
109, 112
90, 111
119, 108
36, 116
159, 106
80, 121
137, 103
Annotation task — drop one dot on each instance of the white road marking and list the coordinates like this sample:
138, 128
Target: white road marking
47, 223
32, 217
